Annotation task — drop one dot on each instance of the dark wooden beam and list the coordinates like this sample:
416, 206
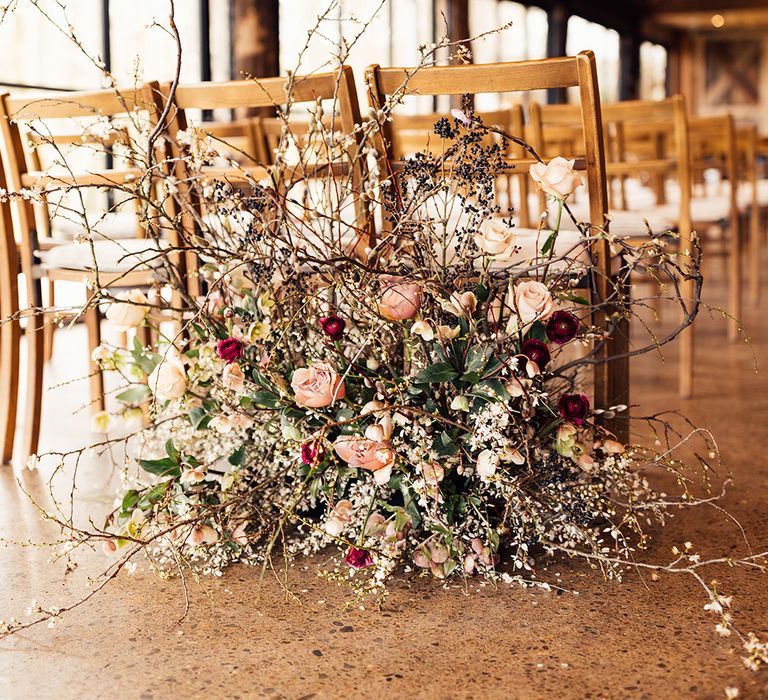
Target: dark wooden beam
557, 33
255, 38
629, 66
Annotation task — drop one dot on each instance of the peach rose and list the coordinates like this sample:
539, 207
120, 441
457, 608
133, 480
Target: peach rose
494, 237
129, 312
399, 299
557, 177
169, 378
317, 386
533, 301
233, 378
365, 453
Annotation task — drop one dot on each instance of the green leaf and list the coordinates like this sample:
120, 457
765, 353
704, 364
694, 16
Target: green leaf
237, 458
435, 374
130, 499
134, 395
477, 359
172, 452
265, 399
161, 467
491, 389
538, 332
199, 418
549, 243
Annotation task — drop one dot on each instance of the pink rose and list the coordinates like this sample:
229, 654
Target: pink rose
557, 177
317, 386
399, 299
533, 301
375, 455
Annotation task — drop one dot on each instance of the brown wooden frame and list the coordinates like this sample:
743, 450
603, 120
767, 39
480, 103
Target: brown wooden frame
622, 121
15, 163
611, 377
266, 93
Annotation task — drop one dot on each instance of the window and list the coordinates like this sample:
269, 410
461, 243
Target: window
583, 35
653, 71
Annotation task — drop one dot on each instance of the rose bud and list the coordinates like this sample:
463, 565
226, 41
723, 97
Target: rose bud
312, 452
573, 408
537, 352
358, 558
333, 326
562, 327
230, 349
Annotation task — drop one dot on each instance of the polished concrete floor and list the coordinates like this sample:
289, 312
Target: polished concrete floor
242, 638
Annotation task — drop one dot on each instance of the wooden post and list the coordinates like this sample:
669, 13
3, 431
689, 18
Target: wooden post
255, 39
557, 19
629, 66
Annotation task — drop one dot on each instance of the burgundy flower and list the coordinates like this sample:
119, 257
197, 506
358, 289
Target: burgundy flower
358, 558
312, 452
229, 349
573, 408
536, 351
562, 327
333, 326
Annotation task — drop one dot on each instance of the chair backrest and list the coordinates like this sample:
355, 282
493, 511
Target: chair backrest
636, 132
611, 385
30, 120
714, 146
277, 92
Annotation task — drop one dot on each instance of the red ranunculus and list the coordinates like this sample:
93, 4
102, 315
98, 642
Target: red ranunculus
536, 351
312, 452
229, 349
358, 558
573, 408
562, 327
333, 326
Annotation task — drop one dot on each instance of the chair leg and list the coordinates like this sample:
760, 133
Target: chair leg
754, 257
10, 340
34, 396
50, 323
92, 318
734, 283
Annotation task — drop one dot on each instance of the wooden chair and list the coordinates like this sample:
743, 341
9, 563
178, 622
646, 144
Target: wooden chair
714, 146
625, 124
95, 262
749, 201
611, 378
10, 328
337, 87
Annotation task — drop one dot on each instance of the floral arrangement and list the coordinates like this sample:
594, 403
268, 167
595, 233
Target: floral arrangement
422, 404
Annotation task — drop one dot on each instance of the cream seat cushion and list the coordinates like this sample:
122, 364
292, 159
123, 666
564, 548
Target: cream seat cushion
113, 225
111, 256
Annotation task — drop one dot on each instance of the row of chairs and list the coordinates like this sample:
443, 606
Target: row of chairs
616, 145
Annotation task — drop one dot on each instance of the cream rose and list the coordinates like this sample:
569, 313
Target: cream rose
557, 178
233, 378
494, 237
317, 386
129, 312
168, 380
533, 301
399, 299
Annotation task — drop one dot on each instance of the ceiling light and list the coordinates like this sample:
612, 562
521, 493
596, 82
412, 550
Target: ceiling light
717, 21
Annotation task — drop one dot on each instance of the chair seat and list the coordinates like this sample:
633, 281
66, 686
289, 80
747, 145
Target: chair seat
625, 223
113, 226
111, 256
